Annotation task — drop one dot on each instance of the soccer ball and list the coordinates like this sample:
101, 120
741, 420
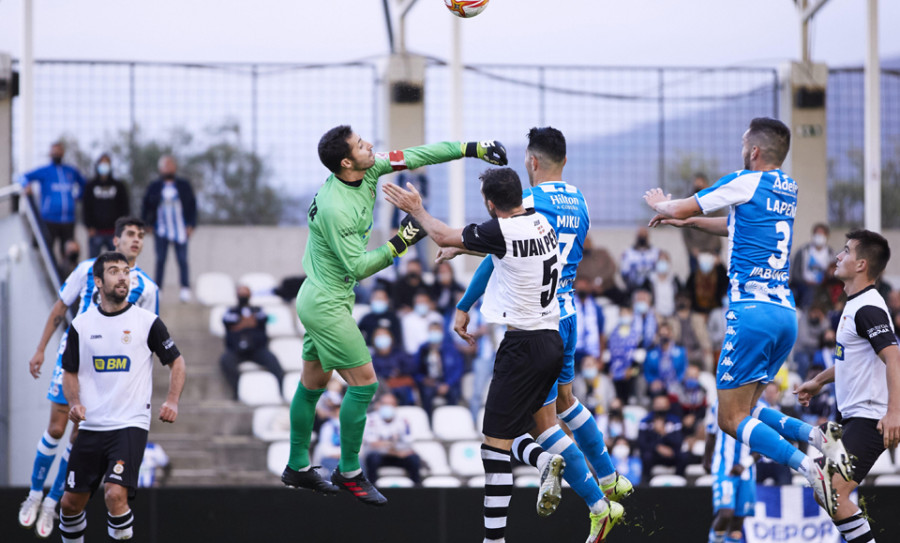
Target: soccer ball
466, 8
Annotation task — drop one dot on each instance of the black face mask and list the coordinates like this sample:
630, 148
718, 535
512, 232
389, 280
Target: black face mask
815, 321
615, 413
413, 277
169, 176
660, 413
829, 344
243, 300
56, 160
582, 294
641, 242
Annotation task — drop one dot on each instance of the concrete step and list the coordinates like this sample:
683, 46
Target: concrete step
201, 383
208, 418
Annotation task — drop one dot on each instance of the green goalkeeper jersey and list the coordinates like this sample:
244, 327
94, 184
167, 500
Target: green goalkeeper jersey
340, 220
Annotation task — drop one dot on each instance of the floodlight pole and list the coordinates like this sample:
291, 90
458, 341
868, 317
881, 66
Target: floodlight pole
457, 186
26, 89
872, 116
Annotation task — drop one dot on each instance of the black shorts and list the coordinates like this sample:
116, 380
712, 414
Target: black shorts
863, 440
113, 456
527, 365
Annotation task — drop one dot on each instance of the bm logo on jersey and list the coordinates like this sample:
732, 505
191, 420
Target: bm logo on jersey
112, 363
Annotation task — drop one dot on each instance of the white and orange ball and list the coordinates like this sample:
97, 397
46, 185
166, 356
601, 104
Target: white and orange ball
466, 8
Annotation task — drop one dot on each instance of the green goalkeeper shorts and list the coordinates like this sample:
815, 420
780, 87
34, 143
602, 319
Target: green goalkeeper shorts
332, 336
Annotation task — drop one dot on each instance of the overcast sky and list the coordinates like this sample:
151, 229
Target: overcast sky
593, 32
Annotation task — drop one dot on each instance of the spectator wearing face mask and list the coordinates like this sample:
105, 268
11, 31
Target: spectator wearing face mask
439, 369
690, 331
666, 361
246, 339
824, 356
590, 322
445, 289
595, 388
327, 452
105, 200
691, 398
639, 261
660, 438
407, 286
665, 285
810, 326
612, 423
809, 266
381, 315
697, 241
707, 284
393, 366
623, 343
388, 441
627, 462
644, 317
415, 323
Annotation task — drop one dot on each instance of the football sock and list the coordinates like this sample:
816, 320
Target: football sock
855, 529
72, 528
46, 452
59, 485
303, 415
789, 427
730, 539
589, 439
716, 537
120, 527
353, 424
526, 451
555, 441
766, 440
498, 484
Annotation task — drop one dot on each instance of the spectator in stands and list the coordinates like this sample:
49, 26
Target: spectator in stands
388, 442
766, 468
445, 289
716, 326
155, 466
415, 323
691, 398
382, 315
665, 285
708, 284
666, 361
626, 460
645, 322
660, 438
590, 322
690, 331
60, 186
594, 388
830, 294
327, 453
639, 261
623, 346
810, 326
246, 339
439, 369
822, 407
697, 241
105, 200
71, 257
419, 180
824, 356
407, 286
483, 363
170, 206
393, 366
809, 266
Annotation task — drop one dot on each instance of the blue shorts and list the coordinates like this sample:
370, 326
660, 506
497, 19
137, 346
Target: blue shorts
758, 339
55, 391
568, 331
739, 495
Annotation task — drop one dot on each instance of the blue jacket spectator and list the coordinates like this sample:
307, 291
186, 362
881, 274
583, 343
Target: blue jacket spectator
666, 361
439, 369
393, 366
623, 345
660, 438
590, 322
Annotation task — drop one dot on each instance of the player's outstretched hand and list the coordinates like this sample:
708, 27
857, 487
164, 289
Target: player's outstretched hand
889, 426
460, 324
806, 391
409, 233
168, 412
34, 365
407, 200
662, 219
491, 151
654, 197
76, 413
447, 253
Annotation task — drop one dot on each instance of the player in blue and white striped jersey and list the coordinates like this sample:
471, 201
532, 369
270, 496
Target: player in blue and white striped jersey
79, 287
761, 318
733, 467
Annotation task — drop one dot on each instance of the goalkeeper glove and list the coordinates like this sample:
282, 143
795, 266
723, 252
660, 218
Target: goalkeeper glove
489, 151
410, 233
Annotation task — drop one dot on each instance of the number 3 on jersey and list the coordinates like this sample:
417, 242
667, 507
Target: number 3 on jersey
551, 276
778, 262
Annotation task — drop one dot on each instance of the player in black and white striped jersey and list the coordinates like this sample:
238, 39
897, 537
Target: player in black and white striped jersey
866, 373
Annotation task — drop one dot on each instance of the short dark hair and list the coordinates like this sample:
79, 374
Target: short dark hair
873, 248
502, 187
772, 137
821, 226
100, 262
122, 222
548, 142
333, 147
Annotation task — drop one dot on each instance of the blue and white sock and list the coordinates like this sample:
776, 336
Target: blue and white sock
590, 440
789, 427
555, 441
59, 485
46, 452
764, 439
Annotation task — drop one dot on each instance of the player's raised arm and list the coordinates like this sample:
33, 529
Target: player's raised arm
490, 151
54, 319
411, 202
664, 205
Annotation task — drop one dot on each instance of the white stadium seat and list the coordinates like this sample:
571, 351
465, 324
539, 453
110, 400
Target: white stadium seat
249, 365
215, 288
288, 351
479, 421
258, 388
662, 470
394, 481
527, 481
668, 480
417, 418
476, 482
277, 456
272, 423
216, 326
883, 466
465, 458
281, 322
694, 470
289, 385
705, 480
441, 481
708, 382
433, 456
262, 286
632, 415
452, 423
888, 480
360, 311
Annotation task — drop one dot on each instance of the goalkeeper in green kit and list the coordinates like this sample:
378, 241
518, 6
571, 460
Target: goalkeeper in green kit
340, 221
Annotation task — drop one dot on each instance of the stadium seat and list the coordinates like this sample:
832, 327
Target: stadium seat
394, 481
527, 481
281, 322
708, 382
452, 423
442, 481
883, 466
632, 415
799, 480
299, 325
262, 286
476, 482
610, 317
467, 385
288, 351
523, 470
434, 456
417, 418
390, 471
694, 470
479, 422
216, 326
668, 480
699, 448
249, 365
258, 388
360, 311
704, 480
289, 385
662, 470
215, 288
277, 456
272, 423
888, 480
465, 458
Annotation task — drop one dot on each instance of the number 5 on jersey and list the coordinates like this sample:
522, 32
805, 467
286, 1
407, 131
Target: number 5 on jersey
551, 276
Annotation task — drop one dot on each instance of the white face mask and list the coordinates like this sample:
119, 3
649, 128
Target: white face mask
819, 240
706, 262
103, 168
382, 343
386, 412
422, 309
621, 451
662, 266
